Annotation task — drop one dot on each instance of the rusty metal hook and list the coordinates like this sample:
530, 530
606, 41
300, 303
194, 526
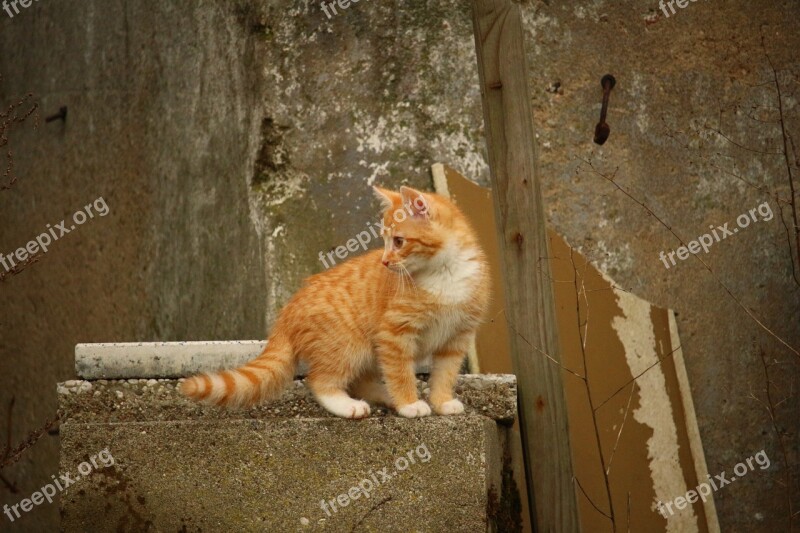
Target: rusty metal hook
602, 131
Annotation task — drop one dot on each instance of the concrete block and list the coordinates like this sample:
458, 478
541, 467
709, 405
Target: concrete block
126, 360
182, 466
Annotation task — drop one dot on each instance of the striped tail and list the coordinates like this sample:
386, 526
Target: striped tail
263, 378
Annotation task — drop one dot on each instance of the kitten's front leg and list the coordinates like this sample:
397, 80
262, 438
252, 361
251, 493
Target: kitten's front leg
446, 364
396, 357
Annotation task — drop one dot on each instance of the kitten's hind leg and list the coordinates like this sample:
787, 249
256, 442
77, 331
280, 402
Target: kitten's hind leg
371, 389
335, 400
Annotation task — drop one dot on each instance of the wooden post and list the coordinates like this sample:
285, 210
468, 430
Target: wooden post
529, 295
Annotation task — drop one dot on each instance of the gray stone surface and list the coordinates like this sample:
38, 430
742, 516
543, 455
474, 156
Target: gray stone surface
234, 141
271, 475
115, 401
179, 465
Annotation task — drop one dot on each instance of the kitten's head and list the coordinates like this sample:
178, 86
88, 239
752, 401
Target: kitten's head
422, 231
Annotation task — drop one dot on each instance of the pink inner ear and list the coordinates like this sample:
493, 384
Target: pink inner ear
417, 213
417, 205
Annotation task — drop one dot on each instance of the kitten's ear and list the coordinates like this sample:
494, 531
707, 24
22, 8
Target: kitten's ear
386, 197
416, 202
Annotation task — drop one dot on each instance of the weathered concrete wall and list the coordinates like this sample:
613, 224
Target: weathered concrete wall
234, 141
160, 124
678, 77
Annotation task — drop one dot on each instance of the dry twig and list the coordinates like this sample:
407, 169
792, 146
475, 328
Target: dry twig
11, 455
20, 267
15, 114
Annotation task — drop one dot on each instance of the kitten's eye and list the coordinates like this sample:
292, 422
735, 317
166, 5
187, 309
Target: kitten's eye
398, 242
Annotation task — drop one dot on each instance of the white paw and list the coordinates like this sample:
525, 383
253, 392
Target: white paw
344, 406
450, 407
359, 409
414, 410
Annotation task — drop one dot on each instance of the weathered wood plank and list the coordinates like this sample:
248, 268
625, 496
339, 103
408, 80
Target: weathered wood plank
521, 231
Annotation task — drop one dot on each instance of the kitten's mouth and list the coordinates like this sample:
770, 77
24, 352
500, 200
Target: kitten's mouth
396, 268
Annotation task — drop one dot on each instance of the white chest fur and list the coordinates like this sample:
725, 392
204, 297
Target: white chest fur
453, 276
451, 280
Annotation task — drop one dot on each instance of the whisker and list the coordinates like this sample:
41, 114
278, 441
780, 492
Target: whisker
407, 273
397, 287
402, 283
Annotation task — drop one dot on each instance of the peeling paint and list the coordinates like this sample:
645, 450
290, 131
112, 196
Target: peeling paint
635, 332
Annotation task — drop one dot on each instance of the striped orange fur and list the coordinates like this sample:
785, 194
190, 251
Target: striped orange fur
363, 324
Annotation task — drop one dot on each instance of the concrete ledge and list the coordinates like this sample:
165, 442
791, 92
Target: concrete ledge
180, 466
493, 396
160, 360
249, 475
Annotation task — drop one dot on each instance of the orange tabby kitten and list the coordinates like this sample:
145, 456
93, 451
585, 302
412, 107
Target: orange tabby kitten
361, 325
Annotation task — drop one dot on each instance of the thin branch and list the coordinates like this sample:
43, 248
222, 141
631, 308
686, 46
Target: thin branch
9, 427
611, 286
789, 243
8, 120
760, 188
738, 145
547, 355
20, 267
779, 434
640, 374
585, 300
785, 152
761, 402
629, 513
589, 393
12, 455
589, 499
12, 487
619, 433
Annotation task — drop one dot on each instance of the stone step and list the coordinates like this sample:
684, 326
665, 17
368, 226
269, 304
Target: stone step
283, 466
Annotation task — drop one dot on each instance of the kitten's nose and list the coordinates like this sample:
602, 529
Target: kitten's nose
385, 263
